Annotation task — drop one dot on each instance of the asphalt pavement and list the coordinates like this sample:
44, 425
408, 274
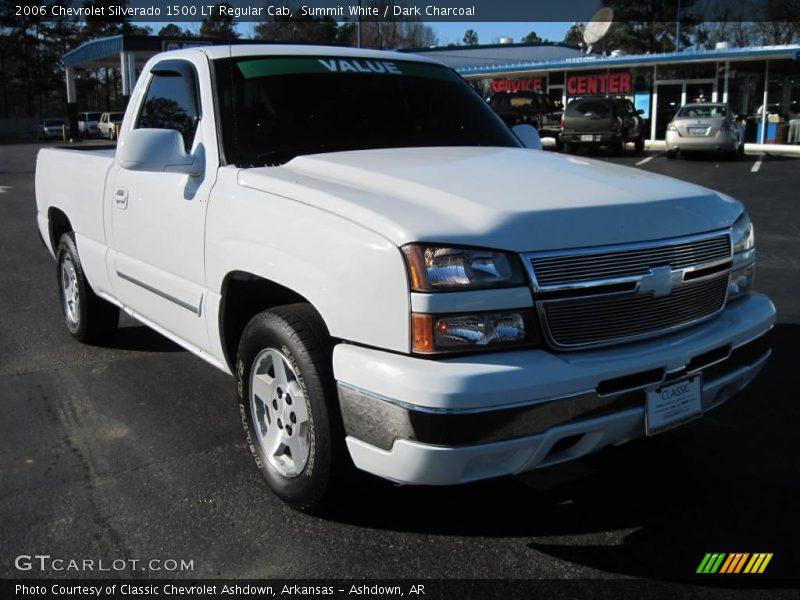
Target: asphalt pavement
134, 451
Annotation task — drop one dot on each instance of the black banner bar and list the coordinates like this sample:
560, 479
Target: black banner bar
422, 589
240, 11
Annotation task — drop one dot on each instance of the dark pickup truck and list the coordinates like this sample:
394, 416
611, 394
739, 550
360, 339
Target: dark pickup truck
528, 106
602, 121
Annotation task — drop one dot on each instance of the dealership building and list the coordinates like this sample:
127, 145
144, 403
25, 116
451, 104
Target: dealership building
760, 84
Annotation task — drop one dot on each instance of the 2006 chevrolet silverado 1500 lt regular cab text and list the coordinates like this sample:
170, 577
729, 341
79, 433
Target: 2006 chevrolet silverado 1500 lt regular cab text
390, 274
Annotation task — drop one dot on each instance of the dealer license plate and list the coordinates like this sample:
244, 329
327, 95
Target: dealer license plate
587, 137
673, 404
698, 130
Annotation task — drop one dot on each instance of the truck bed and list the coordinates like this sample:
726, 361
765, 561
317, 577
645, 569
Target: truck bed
74, 182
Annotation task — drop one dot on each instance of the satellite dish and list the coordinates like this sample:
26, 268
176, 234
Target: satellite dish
597, 27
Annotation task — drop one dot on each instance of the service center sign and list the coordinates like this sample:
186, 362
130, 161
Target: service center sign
517, 85
605, 83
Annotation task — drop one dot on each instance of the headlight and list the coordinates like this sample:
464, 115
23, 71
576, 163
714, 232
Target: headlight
671, 127
742, 235
439, 268
744, 256
474, 331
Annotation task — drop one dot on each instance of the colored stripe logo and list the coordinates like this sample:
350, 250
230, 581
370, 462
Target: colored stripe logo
733, 563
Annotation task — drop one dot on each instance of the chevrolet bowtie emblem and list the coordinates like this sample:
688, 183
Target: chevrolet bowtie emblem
658, 282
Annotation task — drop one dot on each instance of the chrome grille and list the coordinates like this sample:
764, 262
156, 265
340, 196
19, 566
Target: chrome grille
580, 267
607, 319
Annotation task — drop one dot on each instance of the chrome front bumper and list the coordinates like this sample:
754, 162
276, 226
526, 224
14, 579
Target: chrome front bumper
445, 441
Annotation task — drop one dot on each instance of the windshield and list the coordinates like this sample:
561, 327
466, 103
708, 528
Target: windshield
275, 108
116, 116
597, 108
706, 110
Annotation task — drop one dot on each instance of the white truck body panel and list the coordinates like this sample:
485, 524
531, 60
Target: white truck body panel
453, 195
330, 227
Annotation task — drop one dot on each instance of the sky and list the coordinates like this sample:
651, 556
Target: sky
488, 33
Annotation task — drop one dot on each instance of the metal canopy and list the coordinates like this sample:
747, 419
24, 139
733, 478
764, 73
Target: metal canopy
105, 52
609, 62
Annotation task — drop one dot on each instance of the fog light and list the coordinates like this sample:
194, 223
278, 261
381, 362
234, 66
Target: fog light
741, 282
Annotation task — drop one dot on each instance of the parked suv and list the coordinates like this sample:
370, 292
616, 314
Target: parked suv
87, 124
108, 124
531, 107
602, 121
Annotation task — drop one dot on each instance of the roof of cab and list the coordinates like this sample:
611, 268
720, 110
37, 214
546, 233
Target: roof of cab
236, 50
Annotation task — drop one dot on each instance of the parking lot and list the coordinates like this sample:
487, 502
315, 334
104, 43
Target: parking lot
135, 450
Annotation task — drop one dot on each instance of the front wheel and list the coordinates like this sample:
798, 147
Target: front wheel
287, 405
88, 317
671, 154
639, 145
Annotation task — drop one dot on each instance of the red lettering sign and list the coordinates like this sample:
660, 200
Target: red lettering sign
517, 85
613, 83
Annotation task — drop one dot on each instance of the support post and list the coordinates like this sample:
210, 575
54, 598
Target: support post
654, 105
727, 76
72, 102
764, 110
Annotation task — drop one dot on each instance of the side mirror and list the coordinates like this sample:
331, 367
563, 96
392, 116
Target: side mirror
640, 111
528, 135
156, 150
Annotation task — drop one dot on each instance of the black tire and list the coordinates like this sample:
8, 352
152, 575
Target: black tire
671, 154
298, 333
569, 148
618, 148
91, 320
639, 144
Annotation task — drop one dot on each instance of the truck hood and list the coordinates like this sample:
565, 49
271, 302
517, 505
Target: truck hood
505, 198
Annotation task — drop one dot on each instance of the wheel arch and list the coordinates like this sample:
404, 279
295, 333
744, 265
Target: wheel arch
243, 296
58, 224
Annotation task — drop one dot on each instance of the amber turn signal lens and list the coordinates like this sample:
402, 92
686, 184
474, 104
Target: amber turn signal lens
416, 267
422, 333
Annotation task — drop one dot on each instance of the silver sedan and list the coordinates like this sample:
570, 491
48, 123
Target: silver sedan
704, 127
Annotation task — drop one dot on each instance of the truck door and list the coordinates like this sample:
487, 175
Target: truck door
157, 219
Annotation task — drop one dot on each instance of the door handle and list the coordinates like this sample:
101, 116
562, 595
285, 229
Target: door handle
121, 198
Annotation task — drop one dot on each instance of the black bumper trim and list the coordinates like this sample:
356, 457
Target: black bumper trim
380, 422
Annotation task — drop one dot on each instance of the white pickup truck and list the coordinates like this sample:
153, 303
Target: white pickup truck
393, 279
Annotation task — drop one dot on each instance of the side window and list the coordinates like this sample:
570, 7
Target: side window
171, 101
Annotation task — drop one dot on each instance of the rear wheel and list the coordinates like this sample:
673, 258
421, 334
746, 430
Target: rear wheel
671, 154
88, 317
569, 148
639, 144
287, 403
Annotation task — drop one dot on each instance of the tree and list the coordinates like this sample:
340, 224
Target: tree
532, 38
574, 35
174, 31
395, 35
643, 26
470, 37
296, 28
219, 25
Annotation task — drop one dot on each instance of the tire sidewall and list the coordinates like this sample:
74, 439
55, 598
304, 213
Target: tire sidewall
67, 247
306, 489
